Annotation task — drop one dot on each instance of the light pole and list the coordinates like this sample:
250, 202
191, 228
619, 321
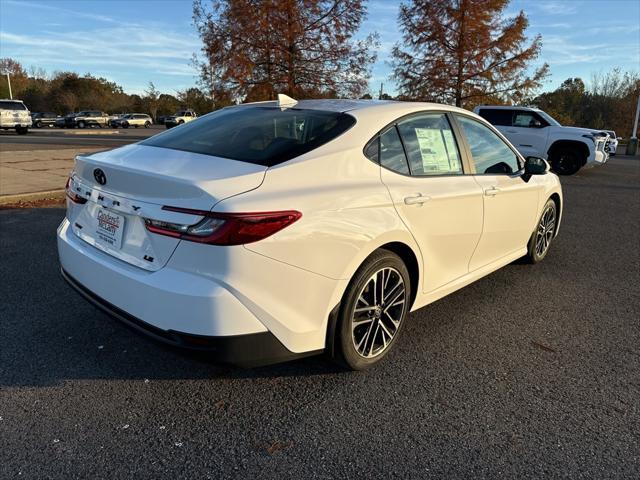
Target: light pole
11, 95
632, 146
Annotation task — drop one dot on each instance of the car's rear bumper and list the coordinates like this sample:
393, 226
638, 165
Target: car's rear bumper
243, 350
15, 123
188, 298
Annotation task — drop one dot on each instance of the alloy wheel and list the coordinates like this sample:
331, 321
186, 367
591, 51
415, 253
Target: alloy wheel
377, 313
546, 229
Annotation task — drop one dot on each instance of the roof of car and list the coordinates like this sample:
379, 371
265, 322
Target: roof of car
346, 105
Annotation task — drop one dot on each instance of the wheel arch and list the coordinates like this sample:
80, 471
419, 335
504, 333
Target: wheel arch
558, 201
408, 256
582, 147
410, 259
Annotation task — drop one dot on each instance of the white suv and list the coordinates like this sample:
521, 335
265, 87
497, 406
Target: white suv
535, 133
15, 115
183, 116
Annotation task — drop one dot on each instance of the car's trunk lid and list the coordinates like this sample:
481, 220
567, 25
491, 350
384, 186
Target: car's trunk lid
124, 186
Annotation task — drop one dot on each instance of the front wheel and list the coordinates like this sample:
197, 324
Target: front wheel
542, 237
81, 124
38, 124
373, 311
565, 161
147, 124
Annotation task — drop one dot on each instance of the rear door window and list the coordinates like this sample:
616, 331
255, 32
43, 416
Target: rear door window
430, 145
496, 116
261, 135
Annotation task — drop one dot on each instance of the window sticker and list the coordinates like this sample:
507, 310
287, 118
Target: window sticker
438, 151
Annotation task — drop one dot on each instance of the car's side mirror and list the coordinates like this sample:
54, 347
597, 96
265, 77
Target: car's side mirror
536, 166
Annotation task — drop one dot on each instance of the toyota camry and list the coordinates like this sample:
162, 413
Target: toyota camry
269, 231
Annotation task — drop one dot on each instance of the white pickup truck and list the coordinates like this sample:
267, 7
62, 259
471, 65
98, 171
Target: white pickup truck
15, 115
535, 133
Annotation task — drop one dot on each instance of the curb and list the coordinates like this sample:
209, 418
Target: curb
94, 132
82, 131
32, 197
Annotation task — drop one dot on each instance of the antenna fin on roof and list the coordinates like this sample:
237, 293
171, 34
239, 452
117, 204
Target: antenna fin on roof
285, 101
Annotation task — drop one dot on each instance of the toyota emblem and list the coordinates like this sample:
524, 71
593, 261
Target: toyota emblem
100, 177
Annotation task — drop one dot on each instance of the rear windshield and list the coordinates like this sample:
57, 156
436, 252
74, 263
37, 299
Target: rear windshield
12, 106
260, 135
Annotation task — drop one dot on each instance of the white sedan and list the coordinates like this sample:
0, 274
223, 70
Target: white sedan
269, 231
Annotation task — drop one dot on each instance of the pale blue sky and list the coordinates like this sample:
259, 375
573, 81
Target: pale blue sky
134, 41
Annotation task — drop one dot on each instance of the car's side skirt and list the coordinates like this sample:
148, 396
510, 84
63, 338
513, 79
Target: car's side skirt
426, 299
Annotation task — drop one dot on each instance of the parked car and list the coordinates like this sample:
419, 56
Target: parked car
14, 115
91, 118
612, 144
534, 132
179, 118
132, 120
44, 119
269, 231
66, 121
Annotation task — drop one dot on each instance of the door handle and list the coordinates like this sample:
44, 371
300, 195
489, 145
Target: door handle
512, 131
418, 199
491, 192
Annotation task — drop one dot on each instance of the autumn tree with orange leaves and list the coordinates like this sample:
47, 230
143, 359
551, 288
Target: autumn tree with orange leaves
465, 52
255, 49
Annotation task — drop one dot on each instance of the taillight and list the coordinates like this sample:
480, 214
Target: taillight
224, 228
72, 195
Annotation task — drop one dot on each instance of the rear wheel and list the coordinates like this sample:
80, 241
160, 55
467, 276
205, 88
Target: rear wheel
373, 311
125, 125
22, 130
543, 235
81, 124
565, 161
147, 124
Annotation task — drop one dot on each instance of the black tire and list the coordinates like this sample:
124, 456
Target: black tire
147, 124
81, 124
22, 130
38, 124
374, 319
535, 253
566, 160
180, 122
125, 125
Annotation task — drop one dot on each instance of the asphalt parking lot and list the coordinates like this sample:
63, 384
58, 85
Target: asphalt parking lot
532, 372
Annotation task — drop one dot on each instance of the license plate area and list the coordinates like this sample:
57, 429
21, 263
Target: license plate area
118, 232
109, 228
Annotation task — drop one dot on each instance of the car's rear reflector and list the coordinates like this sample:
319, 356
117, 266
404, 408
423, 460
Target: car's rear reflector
224, 228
